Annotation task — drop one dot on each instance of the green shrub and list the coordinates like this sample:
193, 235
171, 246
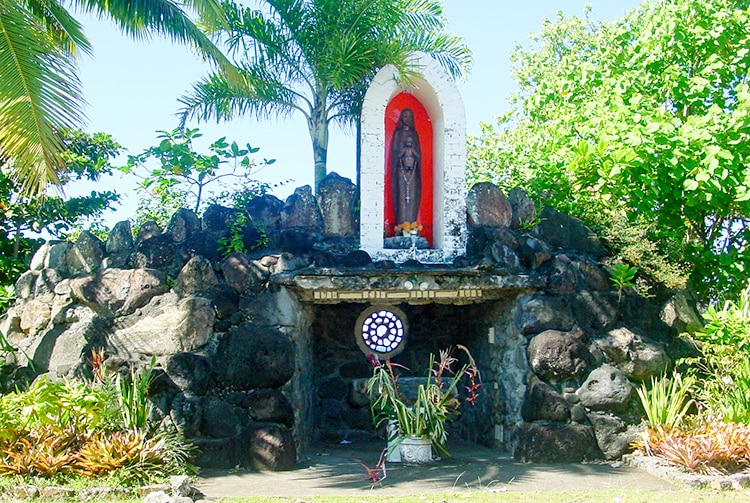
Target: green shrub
723, 366
666, 401
59, 430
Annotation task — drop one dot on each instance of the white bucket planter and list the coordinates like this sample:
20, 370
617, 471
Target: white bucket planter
416, 450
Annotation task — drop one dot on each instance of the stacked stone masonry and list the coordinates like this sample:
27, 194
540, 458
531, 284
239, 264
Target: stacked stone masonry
256, 353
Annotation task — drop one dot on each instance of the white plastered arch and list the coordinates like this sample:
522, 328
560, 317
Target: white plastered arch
437, 92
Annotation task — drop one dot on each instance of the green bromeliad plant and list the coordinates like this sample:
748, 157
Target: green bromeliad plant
64, 430
714, 437
436, 402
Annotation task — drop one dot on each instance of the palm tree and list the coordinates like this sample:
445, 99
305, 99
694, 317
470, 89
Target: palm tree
40, 94
316, 57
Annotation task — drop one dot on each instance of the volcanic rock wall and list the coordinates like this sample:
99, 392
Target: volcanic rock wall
249, 367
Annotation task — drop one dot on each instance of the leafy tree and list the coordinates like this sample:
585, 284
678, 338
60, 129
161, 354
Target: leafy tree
316, 57
40, 94
640, 123
183, 176
86, 157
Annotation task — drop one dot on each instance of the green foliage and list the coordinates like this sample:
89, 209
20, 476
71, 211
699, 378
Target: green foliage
185, 177
133, 396
236, 240
642, 120
732, 403
667, 400
723, 366
622, 276
87, 157
7, 297
727, 328
132, 457
436, 402
634, 243
66, 429
317, 57
60, 404
40, 93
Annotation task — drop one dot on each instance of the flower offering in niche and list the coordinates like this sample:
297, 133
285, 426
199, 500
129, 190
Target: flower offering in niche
408, 228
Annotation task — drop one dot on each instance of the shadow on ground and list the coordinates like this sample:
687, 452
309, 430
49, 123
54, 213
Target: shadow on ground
337, 470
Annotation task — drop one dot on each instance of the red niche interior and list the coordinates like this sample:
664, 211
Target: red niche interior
423, 125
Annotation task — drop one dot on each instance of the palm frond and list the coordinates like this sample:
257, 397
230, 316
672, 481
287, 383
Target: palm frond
140, 19
65, 30
214, 98
39, 96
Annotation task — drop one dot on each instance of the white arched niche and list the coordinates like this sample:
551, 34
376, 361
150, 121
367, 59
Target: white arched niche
437, 92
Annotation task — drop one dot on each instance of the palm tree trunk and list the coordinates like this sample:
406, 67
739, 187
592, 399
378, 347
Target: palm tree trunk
318, 126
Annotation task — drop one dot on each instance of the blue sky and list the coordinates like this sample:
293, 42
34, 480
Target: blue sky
132, 88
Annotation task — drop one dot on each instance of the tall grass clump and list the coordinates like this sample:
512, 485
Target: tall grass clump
667, 401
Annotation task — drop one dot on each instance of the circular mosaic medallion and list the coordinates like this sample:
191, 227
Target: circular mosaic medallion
381, 330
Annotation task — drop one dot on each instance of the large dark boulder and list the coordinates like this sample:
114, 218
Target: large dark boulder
183, 224
595, 310
534, 253
260, 446
562, 275
153, 253
504, 256
197, 276
85, 256
120, 239
301, 211
486, 205
265, 212
245, 275
201, 243
613, 436
637, 356
250, 357
146, 231
46, 282
543, 403
118, 291
524, 210
337, 199
606, 388
166, 325
563, 231
537, 313
555, 443
189, 372
186, 413
269, 406
557, 356
299, 240
217, 219
221, 420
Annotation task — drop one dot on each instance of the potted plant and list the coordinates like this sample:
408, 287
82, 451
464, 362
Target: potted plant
423, 419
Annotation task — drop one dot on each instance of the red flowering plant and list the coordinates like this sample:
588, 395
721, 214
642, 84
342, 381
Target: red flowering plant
436, 402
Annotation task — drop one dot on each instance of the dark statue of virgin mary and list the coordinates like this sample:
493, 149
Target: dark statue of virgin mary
406, 172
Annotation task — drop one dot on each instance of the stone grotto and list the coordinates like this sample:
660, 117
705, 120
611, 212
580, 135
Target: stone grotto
257, 357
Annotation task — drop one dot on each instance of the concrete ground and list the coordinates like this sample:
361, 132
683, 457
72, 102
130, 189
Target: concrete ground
336, 470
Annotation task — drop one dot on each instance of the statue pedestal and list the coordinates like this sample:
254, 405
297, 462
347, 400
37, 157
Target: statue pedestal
405, 242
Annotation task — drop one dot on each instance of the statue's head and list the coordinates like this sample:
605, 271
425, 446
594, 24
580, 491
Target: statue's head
407, 117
